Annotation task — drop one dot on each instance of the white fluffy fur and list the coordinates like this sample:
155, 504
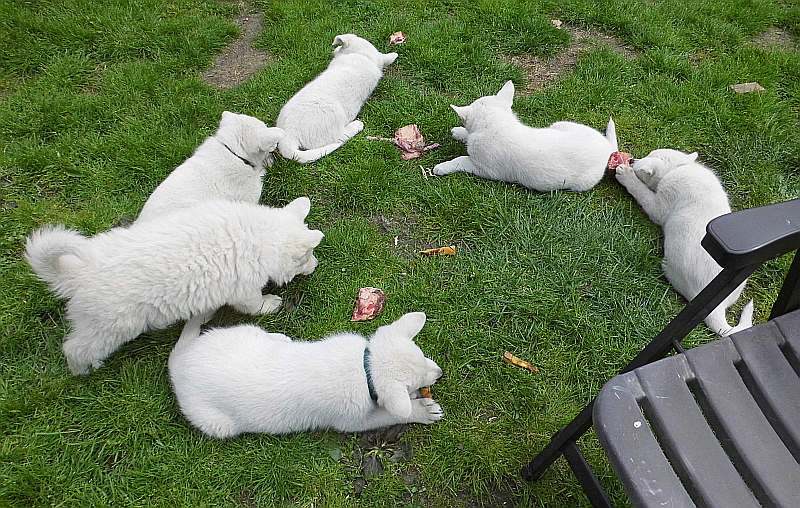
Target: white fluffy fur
321, 117
230, 381
682, 196
565, 155
213, 172
128, 280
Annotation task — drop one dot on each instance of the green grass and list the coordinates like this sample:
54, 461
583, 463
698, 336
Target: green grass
100, 100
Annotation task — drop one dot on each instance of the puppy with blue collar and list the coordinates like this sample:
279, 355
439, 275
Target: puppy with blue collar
242, 379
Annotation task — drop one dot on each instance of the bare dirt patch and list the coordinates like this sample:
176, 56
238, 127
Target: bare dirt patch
775, 38
239, 60
541, 71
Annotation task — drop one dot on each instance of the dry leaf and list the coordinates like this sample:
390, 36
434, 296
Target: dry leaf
747, 88
440, 251
397, 38
519, 362
556, 23
425, 392
369, 304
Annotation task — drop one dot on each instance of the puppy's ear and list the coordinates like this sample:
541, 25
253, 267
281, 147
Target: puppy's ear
313, 237
396, 400
227, 119
272, 136
461, 111
410, 324
506, 94
691, 157
299, 207
343, 40
389, 58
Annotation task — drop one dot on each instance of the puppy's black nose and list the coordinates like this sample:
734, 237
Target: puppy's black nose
632, 161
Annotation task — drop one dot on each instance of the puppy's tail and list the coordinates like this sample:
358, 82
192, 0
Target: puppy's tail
717, 322
290, 149
191, 330
55, 253
611, 133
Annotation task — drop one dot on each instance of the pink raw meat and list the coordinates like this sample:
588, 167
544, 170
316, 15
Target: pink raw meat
397, 38
410, 141
618, 159
369, 304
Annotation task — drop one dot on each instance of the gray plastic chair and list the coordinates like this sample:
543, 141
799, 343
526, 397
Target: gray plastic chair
718, 425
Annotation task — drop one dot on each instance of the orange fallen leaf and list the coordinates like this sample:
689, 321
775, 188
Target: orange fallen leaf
440, 251
425, 392
519, 362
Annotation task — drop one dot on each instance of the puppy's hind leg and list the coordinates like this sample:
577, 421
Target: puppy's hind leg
212, 422
258, 304
461, 164
86, 349
349, 131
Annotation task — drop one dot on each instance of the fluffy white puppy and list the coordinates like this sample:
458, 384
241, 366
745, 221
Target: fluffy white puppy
230, 381
321, 116
228, 165
128, 280
566, 155
682, 196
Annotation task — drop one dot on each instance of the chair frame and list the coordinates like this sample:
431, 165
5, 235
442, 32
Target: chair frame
738, 261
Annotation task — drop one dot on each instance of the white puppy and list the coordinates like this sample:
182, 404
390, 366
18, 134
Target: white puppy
565, 155
682, 196
228, 165
321, 116
128, 280
230, 381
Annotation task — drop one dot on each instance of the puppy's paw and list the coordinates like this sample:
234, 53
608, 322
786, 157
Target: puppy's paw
355, 127
459, 133
441, 169
625, 173
270, 304
426, 411
79, 368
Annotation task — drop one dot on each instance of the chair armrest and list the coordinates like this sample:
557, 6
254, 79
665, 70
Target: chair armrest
755, 235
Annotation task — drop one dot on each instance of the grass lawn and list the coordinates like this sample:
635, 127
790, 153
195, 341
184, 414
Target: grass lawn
99, 101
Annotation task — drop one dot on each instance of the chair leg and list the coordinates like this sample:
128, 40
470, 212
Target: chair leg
569, 434
789, 297
591, 485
